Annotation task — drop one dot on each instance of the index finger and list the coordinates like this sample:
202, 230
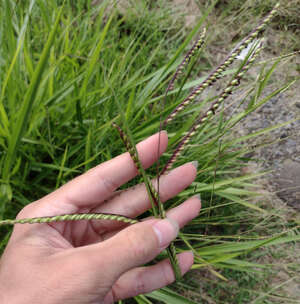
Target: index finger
97, 184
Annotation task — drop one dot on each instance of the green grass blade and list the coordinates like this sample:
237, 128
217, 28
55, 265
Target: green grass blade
4, 117
166, 295
95, 56
19, 127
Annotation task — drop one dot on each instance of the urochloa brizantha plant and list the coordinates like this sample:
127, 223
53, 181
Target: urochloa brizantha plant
255, 42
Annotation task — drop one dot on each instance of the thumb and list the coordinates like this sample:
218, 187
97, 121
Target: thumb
131, 247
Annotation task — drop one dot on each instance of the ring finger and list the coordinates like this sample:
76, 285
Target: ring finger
135, 200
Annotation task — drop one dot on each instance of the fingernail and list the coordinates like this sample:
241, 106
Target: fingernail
166, 231
195, 163
198, 196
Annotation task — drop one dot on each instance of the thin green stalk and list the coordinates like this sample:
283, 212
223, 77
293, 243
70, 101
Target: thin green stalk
152, 193
133, 154
154, 198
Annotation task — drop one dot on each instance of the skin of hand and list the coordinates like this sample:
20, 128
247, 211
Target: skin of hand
91, 262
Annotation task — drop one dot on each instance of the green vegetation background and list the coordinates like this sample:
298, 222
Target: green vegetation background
62, 70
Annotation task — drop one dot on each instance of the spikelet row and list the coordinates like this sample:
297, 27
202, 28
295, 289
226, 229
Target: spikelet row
211, 111
217, 73
134, 157
187, 58
71, 217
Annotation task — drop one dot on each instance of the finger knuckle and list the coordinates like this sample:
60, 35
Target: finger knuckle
167, 273
26, 211
140, 284
138, 244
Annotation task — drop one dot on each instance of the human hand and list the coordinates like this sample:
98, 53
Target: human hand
90, 262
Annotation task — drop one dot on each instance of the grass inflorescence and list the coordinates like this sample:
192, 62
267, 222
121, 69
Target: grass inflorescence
70, 217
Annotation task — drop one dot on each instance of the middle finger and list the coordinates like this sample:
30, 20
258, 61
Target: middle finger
135, 200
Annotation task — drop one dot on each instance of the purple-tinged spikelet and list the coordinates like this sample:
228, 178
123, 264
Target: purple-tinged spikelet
211, 111
126, 142
197, 45
217, 73
134, 157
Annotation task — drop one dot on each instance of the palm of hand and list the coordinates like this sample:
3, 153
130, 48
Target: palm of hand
71, 252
